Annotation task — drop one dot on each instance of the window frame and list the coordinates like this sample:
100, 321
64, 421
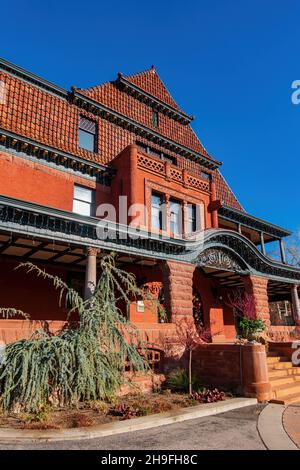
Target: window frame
81, 129
191, 220
179, 222
160, 211
91, 204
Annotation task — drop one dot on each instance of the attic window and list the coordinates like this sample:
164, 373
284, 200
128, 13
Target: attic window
205, 176
87, 134
155, 119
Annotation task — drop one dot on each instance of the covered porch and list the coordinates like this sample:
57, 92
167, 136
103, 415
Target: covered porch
176, 271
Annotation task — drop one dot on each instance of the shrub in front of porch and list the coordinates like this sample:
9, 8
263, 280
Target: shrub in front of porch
77, 364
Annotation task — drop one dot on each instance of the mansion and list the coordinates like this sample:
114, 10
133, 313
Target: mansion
122, 157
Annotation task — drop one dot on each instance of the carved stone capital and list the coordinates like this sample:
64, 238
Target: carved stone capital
153, 288
92, 251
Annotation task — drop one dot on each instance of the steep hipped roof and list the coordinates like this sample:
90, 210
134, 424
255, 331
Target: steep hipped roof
44, 115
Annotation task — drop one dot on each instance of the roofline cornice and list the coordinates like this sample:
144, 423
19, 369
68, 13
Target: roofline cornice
153, 101
19, 72
11, 140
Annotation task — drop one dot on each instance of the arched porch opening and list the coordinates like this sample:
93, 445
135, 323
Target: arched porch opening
214, 288
219, 273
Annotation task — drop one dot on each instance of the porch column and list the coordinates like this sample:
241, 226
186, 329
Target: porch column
295, 303
262, 243
282, 250
178, 289
258, 287
90, 272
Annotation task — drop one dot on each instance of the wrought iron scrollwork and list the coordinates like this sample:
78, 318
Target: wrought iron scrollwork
252, 258
220, 258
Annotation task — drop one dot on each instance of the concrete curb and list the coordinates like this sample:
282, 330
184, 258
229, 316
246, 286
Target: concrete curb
271, 429
8, 435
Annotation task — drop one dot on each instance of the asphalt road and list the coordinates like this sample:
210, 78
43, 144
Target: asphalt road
233, 430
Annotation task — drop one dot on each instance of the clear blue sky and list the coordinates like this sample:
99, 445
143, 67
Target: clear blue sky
228, 62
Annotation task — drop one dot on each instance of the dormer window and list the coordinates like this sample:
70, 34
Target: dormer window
87, 134
155, 119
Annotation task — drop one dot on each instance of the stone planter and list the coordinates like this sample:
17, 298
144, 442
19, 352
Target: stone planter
255, 377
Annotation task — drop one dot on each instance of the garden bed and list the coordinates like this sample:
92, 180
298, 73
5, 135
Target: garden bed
99, 412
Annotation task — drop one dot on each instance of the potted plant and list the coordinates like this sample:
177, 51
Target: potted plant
250, 327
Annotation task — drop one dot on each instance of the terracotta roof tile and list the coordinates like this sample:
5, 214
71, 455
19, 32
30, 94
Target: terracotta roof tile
52, 120
224, 193
110, 95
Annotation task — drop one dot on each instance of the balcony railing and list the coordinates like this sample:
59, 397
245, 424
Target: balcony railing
170, 172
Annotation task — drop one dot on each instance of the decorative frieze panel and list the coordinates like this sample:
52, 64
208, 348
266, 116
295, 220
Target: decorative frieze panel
151, 164
176, 175
197, 183
220, 259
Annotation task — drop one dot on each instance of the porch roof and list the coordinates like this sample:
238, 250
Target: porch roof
21, 219
247, 220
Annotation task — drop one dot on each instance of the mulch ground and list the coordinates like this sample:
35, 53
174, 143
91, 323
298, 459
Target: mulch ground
98, 412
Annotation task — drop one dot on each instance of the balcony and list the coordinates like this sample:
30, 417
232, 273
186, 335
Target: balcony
172, 173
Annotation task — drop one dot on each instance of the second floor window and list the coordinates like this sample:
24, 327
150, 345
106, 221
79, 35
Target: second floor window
87, 134
156, 211
84, 201
175, 217
191, 219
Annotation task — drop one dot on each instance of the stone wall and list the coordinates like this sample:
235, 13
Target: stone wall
238, 368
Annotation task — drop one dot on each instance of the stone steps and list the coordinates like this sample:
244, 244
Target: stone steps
288, 379
276, 373
282, 365
276, 359
284, 379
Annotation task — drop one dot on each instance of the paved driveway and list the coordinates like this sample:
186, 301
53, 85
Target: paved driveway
232, 430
